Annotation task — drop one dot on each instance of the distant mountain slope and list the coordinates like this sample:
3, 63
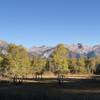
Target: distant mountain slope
75, 50
3, 47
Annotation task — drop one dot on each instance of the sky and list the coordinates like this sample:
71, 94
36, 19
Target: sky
50, 22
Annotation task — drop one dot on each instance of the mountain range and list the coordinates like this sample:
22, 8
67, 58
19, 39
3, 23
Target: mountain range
75, 50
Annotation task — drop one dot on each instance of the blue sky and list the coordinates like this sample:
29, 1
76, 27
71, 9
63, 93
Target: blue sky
49, 22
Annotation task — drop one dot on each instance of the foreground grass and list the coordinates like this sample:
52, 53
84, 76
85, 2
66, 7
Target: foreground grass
49, 89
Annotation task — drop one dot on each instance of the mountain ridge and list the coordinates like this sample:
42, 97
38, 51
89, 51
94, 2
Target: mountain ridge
75, 50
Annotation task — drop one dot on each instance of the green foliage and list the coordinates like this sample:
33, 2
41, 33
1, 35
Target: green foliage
78, 65
3, 65
59, 59
97, 58
81, 65
1, 59
72, 65
91, 65
17, 60
38, 64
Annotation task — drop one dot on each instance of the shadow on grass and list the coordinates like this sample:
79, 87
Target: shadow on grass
49, 89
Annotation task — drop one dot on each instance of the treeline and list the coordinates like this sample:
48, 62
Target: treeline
17, 62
